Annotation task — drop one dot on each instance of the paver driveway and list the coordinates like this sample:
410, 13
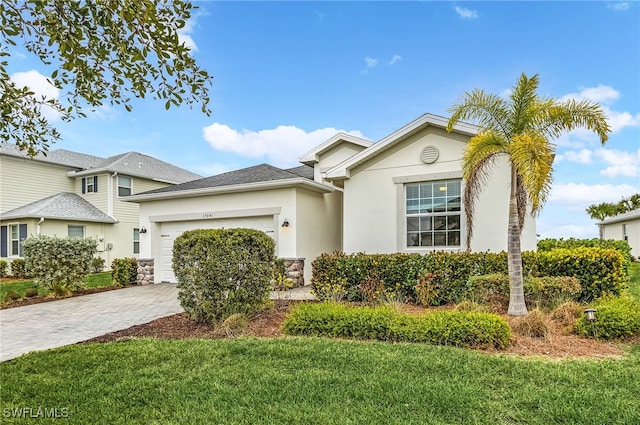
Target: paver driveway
71, 320
57, 323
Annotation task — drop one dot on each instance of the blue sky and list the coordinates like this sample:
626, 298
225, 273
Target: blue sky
288, 75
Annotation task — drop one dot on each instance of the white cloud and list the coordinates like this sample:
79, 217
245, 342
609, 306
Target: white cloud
184, 35
465, 13
619, 6
570, 231
583, 156
370, 62
280, 146
620, 163
605, 95
599, 94
579, 195
395, 59
41, 86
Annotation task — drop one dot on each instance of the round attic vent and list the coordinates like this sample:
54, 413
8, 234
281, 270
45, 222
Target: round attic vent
429, 154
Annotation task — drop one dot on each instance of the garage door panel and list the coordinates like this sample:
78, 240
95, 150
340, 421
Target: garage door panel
169, 231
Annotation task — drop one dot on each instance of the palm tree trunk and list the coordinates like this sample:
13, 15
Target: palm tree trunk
517, 306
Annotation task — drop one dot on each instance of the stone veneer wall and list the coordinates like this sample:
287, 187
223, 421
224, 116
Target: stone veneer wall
145, 271
294, 270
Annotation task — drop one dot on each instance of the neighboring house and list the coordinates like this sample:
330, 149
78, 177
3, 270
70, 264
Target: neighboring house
72, 194
401, 194
623, 227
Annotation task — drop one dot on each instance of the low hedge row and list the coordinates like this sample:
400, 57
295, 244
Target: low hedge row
619, 245
616, 318
455, 328
600, 271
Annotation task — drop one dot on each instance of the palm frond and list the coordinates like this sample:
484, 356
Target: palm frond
478, 160
566, 116
532, 156
524, 100
487, 111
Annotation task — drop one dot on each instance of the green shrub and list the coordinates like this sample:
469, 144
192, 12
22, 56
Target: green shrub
124, 271
548, 292
19, 269
59, 264
4, 267
372, 289
426, 290
616, 318
490, 289
221, 272
600, 271
619, 245
30, 293
97, 265
462, 329
10, 296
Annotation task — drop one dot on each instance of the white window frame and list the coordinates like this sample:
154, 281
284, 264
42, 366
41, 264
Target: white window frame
76, 226
433, 214
122, 186
11, 240
89, 185
136, 241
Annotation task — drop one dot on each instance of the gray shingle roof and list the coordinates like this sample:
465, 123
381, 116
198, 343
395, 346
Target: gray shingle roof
57, 156
62, 206
255, 174
131, 163
140, 165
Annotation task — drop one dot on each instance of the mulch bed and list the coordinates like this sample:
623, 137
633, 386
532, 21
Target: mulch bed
268, 324
46, 298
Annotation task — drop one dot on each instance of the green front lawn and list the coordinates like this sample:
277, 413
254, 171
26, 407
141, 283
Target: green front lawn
317, 381
20, 286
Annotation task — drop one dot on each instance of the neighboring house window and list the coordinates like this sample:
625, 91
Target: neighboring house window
136, 241
625, 235
11, 237
74, 231
433, 213
14, 240
124, 186
90, 184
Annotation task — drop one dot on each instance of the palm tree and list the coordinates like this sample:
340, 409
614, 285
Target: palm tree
519, 128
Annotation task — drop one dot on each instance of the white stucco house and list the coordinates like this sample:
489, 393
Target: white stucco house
623, 227
400, 194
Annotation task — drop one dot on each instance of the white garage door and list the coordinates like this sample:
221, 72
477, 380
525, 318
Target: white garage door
169, 231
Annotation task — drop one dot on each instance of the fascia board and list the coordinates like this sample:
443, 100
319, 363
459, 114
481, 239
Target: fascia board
249, 187
342, 170
313, 156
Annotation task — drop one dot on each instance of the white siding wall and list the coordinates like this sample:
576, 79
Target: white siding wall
23, 181
374, 203
615, 231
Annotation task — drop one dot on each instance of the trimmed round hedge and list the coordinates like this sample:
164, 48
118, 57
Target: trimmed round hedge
455, 328
222, 272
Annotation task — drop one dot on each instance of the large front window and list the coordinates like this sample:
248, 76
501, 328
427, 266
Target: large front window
433, 213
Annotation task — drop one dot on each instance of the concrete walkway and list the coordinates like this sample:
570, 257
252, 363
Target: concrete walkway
70, 320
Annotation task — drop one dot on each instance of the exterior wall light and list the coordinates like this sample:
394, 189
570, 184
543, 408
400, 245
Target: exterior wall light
285, 223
